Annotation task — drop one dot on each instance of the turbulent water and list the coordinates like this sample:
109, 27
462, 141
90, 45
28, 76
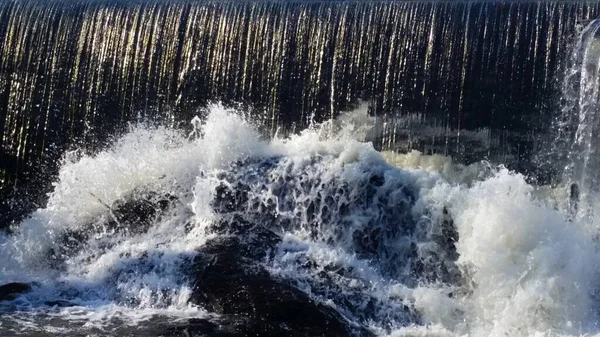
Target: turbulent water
397, 244
510, 262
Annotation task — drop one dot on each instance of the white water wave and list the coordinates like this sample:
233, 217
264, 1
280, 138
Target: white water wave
526, 269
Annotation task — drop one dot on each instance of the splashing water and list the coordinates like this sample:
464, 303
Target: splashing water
406, 245
577, 126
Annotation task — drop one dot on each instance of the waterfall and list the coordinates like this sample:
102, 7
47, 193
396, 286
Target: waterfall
293, 204
576, 128
474, 80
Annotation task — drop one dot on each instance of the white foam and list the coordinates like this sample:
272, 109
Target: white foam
526, 269
530, 271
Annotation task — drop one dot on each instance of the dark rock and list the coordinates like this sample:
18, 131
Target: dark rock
132, 215
59, 303
439, 265
198, 327
265, 192
137, 212
574, 200
258, 240
229, 281
10, 291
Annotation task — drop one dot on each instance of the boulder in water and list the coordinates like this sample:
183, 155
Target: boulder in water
10, 291
131, 215
229, 280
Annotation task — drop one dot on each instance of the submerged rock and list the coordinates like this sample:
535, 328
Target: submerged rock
10, 291
136, 213
60, 303
129, 216
370, 213
228, 280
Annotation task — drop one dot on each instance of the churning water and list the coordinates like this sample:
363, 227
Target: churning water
516, 264
403, 244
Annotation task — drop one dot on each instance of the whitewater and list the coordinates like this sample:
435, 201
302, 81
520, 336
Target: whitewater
458, 250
